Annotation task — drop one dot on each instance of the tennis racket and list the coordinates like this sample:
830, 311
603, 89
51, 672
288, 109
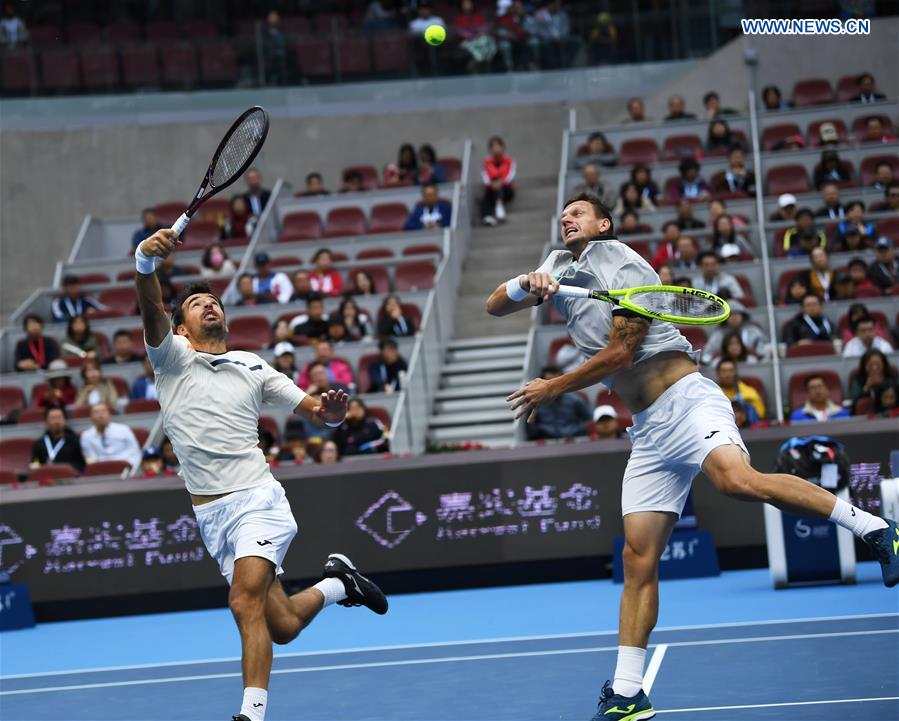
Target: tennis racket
238, 149
672, 303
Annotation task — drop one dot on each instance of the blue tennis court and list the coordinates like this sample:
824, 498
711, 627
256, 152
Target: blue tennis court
727, 648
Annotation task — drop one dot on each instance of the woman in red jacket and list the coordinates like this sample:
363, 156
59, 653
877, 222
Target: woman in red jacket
498, 175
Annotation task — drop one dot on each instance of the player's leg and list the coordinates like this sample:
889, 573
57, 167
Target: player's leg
287, 615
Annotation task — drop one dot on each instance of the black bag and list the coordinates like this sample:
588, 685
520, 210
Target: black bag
804, 457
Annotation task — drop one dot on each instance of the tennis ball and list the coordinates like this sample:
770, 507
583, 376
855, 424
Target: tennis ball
435, 34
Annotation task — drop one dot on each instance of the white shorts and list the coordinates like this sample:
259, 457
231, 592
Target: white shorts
670, 441
254, 522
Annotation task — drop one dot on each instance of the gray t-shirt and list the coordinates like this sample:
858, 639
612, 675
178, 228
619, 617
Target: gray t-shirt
607, 265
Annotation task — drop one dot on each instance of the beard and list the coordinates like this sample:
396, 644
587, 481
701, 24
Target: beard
214, 330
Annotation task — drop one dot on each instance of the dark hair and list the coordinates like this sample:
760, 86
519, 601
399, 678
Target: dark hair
314, 297
879, 165
734, 334
388, 343
630, 211
428, 149
719, 121
669, 223
352, 175
688, 164
497, 139
853, 203
725, 360
314, 364
429, 184
709, 95
771, 89
861, 78
734, 147
87, 327
70, 279
862, 374
705, 254
148, 210
873, 117
854, 324
600, 209
191, 290
313, 174
119, 333
879, 390
717, 238
31, 316
813, 377
318, 254
890, 186
361, 402
387, 299
811, 295
804, 212
367, 275
54, 407
205, 262
857, 261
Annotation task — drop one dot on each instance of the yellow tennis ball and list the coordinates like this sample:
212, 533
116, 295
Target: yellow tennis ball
435, 34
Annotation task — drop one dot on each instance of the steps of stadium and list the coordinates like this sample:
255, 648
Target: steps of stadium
477, 375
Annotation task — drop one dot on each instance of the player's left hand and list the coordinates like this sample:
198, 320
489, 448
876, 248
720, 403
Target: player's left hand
526, 401
332, 406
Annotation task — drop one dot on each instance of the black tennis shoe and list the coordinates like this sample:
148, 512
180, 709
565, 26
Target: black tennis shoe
239, 717
360, 591
884, 543
614, 707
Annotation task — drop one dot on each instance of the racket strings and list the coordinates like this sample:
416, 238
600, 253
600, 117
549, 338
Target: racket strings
239, 148
678, 304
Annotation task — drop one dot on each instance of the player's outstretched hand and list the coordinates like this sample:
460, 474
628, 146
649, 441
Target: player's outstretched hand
526, 401
332, 406
160, 244
542, 285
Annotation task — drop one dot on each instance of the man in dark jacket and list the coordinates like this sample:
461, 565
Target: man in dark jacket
59, 444
884, 271
257, 196
385, 372
360, 433
564, 417
431, 212
809, 325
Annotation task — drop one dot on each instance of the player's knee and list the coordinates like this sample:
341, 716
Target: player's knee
639, 563
245, 604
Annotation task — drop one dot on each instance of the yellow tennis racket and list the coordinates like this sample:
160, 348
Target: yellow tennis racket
671, 303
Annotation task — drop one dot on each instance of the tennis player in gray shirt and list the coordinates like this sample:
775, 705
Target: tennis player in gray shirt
683, 424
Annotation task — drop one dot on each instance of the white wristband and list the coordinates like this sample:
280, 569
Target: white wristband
334, 424
145, 264
515, 291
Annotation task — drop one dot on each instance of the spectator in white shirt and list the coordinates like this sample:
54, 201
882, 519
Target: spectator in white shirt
425, 17
12, 28
108, 441
864, 339
711, 279
265, 282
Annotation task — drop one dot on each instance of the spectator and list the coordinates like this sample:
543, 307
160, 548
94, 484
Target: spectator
360, 433
713, 280
856, 311
565, 417
720, 139
275, 285
875, 132
302, 286
338, 370
407, 164
95, 388
59, 390
168, 269
666, 251
602, 40
35, 351
313, 324
498, 176
753, 338
886, 400
883, 175
819, 277
850, 240
864, 339
108, 441
690, 185
728, 380
866, 90
828, 136
430, 212
150, 224
59, 443
151, 464
477, 46
378, 18
357, 323
736, 178
772, 99
732, 348
599, 151
791, 142
636, 111
832, 208
274, 50
256, 196
685, 219
804, 236
169, 459
712, 104
328, 453
631, 199
363, 283
295, 448
884, 271
786, 208
280, 332
855, 217
831, 169
605, 424
336, 331
593, 184
392, 321
858, 271
686, 259
314, 185
890, 198
717, 208
810, 324
553, 26
241, 221
324, 279
144, 388
352, 182
741, 414
642, 178
216, 261
819, 407
630, 223
423, 19
72, 302
429, 170
843, 287
285, 361
317, 380
676, 110
514, 41
248, 296
873, 370
726, 242
122, 349
385, 372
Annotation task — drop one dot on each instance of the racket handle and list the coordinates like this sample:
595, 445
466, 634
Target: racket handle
572, 291
181, 224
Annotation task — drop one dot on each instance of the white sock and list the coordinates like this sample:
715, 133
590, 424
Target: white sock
254, 703
332, 589
855, 519
629, 671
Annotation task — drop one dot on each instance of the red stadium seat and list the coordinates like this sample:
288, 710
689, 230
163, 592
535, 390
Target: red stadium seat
296, 25
163, 32
374, 253
453, 168
813, 134
141, 434
8, 478
304, 225
757, 384
610, 398
870, 163
342, 222
378, 274
748, 299
218, 63
368, 172
889, 227
142, 405
313, 57
121, 385
167, 213
787, 179
639, 150
797, 386
816, 347
15, 453
197, 29
137, 338
774, 134
106, 468
285, 261
815, 91
18, 71
412, 312
140, 66
59, 69
51, 472
249, 333
414, 275
556, 346
391, 52
11, 399
872, 292
388, 217
31, 415
682, 146
363, 380
858, 125
863, 406
694, 334
83, 34
327, 23
123, 32
422, 249
92, 278
179, 69
271, 425
46, 36
201, 233
122, 301
883, 325
353, 55
381, 414
100, 67
847, 88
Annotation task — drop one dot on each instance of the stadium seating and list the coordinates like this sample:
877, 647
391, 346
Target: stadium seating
51, 472
99, 67
787, 179
847, 88
248, 333
388, 218
123, 32
414, 275
304, 225
797, 386
11, 399
143, 405
816, 91
179, 66
313, 57
84, 34
869, 166
682, 146
390, 53
218, 63
344, 221
639, 151
353, 55
813, 134
60, 69
15, 453
812, 348
106, 468
140, 65
8, 477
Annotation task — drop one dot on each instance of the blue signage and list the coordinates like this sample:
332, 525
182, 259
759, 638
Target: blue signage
810, 545
15, 607
689, 554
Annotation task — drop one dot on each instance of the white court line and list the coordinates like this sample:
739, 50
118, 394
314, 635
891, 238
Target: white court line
655, 663
427, 661
776, 705
437, 644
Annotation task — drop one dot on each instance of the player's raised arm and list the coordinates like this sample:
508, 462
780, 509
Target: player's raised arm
521, 292
324, 409
152, 309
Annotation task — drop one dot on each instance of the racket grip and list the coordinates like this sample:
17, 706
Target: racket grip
572, 291
181, 224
